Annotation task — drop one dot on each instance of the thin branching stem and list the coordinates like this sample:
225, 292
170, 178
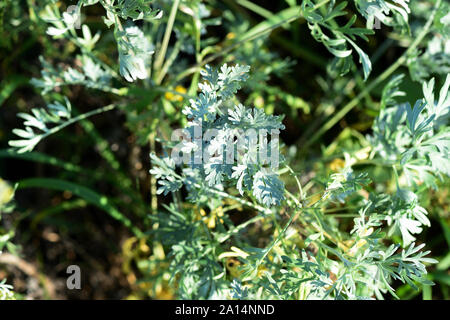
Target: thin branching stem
162, 52
77, 118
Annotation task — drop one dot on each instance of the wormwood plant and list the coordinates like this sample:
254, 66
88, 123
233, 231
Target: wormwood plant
233, 212
360, 263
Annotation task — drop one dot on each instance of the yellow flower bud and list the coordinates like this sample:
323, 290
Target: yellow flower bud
337, 164
175, 97
6, 192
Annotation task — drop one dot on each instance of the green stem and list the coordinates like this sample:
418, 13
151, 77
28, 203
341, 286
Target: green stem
242, 201
278, 238
168, 63
238, 228
299, 185
76, 119
255, 8
396, 176
226, 195
162, 52
198, 66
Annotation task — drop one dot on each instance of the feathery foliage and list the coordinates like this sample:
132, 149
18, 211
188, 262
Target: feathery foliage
300, 164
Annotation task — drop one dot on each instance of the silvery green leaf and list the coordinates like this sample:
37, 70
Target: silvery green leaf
88, 41
384, 11
73, 76
211, 75
23, 146
344, 183
444, 96
132, 67
242, 173
391, 91
413, 114
38, 120
170, 184
27, 134
31, 121
229, 79
53, 31
6, 290
363, 59
71, 18
421, 215
267, 188
137, 10
134, 53
93, 76
204, 108
62, 111
216, 170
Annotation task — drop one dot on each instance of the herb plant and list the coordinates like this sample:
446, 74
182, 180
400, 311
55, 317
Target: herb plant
222, 200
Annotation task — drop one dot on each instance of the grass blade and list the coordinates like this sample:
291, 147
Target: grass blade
92, 197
